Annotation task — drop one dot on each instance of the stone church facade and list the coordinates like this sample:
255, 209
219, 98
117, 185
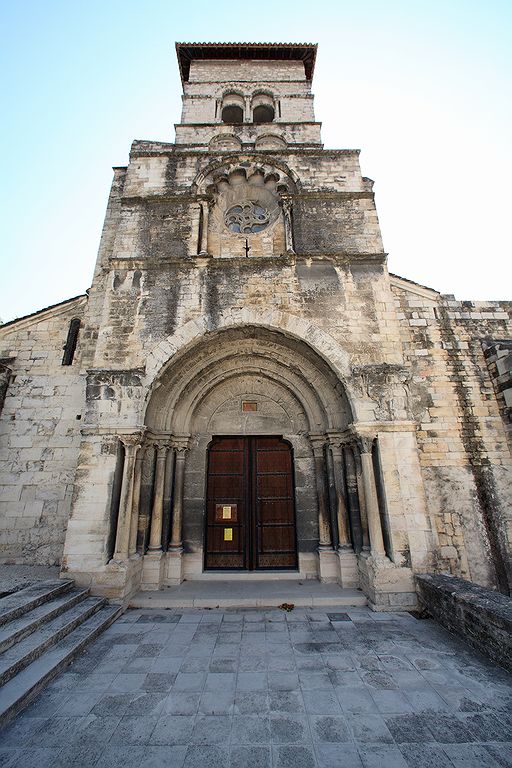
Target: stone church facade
245, 392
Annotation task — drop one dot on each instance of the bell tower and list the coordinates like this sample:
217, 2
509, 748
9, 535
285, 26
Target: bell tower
247, 96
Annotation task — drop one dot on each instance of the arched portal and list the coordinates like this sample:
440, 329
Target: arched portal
246, 383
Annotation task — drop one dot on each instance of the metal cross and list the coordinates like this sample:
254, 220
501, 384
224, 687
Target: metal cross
247, 247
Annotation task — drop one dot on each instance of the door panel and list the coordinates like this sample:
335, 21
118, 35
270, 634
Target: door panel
250, 516
226, 488
274, 512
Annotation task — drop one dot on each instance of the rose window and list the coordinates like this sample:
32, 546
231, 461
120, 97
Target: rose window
247, 218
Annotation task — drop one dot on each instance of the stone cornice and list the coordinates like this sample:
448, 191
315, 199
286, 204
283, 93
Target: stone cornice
163, 149
186, 197
289, 260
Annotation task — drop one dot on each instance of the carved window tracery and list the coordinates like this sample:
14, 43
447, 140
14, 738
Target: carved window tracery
244, 198
247, 218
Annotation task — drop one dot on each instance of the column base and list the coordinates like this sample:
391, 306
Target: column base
117, 581
152, 570
387, 586
327, 564
174, 567
347, 564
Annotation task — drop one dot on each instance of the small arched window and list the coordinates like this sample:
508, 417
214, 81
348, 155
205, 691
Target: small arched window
263, 108
263, 114
232, 109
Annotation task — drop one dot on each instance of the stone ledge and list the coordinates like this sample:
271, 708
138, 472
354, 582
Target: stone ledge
480, 616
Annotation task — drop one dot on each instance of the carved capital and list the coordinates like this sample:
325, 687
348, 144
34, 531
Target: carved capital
180, 445
161, 450
337, 440
364, 442
318, 443
132, 441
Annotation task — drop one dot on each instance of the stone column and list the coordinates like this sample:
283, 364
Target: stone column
155, 536
174, 573
131, 446
324, 529
203, 228
288, 229
168, 490
358, 474
152, 569
365, 444
353, 498
137, 482
328, 569
176, 544
341, 509
348, 575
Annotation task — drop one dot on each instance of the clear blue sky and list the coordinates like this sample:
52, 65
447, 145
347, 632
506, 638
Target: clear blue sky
422, 88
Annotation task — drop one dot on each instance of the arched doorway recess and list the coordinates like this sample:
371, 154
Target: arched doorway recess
248, 382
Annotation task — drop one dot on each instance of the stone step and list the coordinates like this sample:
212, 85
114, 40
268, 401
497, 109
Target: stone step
24, 653
18, 692
270, 594
15, 605
18, 629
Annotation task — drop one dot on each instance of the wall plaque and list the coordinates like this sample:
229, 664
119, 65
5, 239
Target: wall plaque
249, 406
224, 512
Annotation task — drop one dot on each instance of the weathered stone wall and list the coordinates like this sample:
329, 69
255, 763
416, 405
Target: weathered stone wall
39, 435
174, 300
464, 456
481, 617
285, 83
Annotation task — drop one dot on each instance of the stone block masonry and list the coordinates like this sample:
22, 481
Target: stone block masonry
39, 435
481, 617
244, 263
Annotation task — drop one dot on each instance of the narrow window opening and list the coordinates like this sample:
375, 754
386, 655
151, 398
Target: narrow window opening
71, 342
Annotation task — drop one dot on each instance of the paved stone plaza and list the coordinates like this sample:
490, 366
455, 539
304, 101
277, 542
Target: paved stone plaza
329, 688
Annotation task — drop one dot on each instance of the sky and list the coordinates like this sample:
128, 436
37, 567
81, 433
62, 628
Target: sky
422, 88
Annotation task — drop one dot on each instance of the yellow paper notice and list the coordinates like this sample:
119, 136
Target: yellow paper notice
228, 534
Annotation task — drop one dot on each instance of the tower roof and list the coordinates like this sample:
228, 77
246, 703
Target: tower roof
305, 52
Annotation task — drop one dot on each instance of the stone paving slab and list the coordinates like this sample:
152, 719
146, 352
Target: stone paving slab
312, 688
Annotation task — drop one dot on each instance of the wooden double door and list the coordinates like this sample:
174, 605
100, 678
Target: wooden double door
250, 509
